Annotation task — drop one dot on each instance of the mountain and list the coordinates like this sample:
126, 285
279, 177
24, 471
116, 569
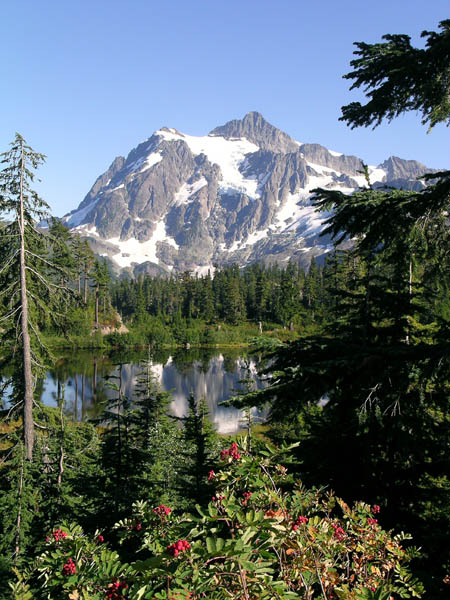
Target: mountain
239, 194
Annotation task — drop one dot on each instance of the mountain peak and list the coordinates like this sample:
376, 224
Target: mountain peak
242, 194
256, 129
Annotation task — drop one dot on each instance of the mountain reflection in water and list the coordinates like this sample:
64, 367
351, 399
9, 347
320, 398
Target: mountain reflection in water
214, 375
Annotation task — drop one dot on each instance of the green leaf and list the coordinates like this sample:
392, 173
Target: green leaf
141, 592
219, 544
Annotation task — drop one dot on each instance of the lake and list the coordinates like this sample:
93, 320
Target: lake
213, 374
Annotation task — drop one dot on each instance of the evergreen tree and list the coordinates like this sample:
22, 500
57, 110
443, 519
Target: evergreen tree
87, 261
156, 440
398, 78
116, 451
62, 253
101, 279
380, 367
29, 279
199, 446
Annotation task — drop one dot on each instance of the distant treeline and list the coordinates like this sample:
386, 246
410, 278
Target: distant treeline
284, 296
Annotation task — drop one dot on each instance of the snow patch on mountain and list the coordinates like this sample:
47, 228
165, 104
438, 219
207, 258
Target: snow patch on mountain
78, 217
133, 251
375, 175
189, 189
252, 239
322, 169
87, 230
152, 159
229, 154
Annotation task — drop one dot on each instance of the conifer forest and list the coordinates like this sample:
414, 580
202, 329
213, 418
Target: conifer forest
343, 493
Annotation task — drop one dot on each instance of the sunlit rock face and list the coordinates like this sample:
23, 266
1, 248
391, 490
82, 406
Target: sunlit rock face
240, 194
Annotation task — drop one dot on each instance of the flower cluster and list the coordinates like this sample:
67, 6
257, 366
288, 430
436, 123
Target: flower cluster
211, 475
372, 522
137, 526
162, 510
59, 535
375, 509
177, 547
231, 452
115, 589
339, 533
300, 521
218, 499
69, 568
99, 539
247, 496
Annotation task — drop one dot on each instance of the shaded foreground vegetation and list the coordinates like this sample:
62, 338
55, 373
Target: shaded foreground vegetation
259, 537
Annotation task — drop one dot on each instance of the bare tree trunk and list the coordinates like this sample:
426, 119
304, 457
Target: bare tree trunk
19, 510
28, 425
408, 332
96, 307
83, 393
75, 408
61, 447
94, 387
85, 284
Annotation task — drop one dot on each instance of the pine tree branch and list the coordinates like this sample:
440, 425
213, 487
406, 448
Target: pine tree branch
30, 322
6, 290
5, 266
47, 284
9, 315
50, 264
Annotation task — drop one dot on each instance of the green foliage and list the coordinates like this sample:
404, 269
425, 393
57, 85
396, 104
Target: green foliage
186, 303
199, 444
254, 540
398, 77
367, 392
94, 571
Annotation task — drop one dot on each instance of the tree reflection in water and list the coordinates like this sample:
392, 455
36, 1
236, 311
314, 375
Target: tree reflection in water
213, 374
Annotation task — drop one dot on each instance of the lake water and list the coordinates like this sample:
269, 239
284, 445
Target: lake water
212, 374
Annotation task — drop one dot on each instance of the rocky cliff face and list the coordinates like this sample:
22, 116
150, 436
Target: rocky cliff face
240, 194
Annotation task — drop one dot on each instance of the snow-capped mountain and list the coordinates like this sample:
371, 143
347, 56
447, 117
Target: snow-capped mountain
239, 194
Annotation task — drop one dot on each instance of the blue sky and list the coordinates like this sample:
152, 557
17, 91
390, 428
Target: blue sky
85, 81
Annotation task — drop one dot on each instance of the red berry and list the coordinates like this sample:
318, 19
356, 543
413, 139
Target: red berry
69, 568
59, 535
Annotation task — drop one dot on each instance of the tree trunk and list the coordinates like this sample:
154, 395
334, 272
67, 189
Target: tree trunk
61, 447
75, 407
19, 509
96, 307
94, 387
83, 393
28, 425
408, 332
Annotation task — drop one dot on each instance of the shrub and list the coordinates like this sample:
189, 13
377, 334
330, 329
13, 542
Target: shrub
261, 536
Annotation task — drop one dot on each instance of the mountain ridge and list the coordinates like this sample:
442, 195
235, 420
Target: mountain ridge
239, 194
